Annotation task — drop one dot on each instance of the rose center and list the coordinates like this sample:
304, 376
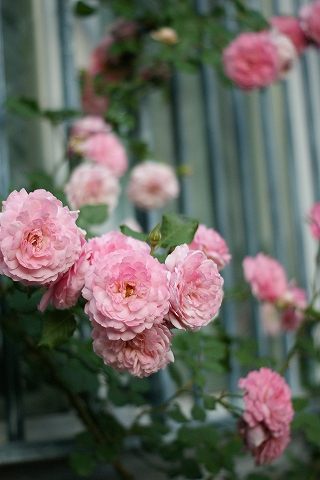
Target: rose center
130, 290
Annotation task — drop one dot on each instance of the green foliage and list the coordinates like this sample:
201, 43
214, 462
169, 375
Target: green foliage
83, 9
177, 229
83, 463
29, 108
92, 215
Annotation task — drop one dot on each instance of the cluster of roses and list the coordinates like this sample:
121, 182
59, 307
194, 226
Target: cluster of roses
104, 161
133, 301
258, 59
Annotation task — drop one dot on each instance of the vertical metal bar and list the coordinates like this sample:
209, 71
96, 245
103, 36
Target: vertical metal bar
11, 370
69, 74
179, 145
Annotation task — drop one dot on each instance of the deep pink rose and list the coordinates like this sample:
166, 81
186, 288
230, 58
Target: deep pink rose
314, 219
88, 125
66, 290
152, 185
106, 149
290, 26
262, 444
212, 245
251, 60
127, 292
267, 400
266, 276
39, 238
195, 288
309, 15
143, 355
92, 184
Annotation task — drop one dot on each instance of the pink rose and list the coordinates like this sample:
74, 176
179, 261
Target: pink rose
152, 185
268, 401
127, 292
66, 290
195, 288
270, 319
290, 26
212, 245
286, 51
263, 445
92, 184
251, 60
266, 276
314, 219
105, 149
294, 301
39, 238
88, 125
309, 15
143, 355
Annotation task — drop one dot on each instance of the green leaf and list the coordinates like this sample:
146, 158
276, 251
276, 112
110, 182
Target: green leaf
209, 402
175, 374
92, 215
177, 229
25, 107
195, 436
200, 379
198, 413
257, 476
83, 463
131, 233
210, 458
299, 403
57, 328
176, 414
83, 9
247, 351
190, 468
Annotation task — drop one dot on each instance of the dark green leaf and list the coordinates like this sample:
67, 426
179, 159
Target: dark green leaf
299, 403
92, 215
190, 468
200, 379
198, 413
175, 374
210, 458
176, 414
24, 107
57, 328
257, 476
177, 229
131, 233
83, 9
83, 463
209, 402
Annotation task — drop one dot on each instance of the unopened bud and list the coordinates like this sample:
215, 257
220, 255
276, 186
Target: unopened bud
155, 236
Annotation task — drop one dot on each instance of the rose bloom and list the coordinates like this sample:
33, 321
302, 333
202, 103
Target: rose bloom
267, 400
127, 292
106, 149
39, 238
165, 35
212, 245
290, 26
251, 60
309, 15
195, 288
92, 184
266, 276
286, 51
263, 445
88, 125
294, 300
66, 290
270, 319
143, 355
152, 185
314, 220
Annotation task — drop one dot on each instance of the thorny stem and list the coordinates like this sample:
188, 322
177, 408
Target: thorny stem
80, 406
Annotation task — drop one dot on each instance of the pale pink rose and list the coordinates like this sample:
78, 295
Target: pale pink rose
251, 60
270, 319
195, 288
143, 355
314, 220
66, 290
92, 103
39, 238
106, 149
127, 292
309, 15
260, 441
88, 125
294, 301
290, 26
210, 242
152, 185
266, 276
92, 184
99, 247
286, 51
267, 400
